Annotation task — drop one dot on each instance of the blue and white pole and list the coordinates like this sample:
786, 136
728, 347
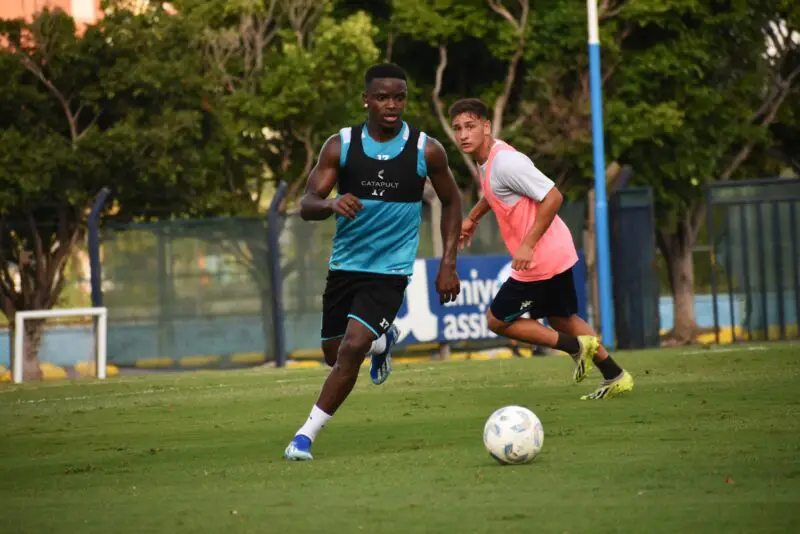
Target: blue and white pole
601, 205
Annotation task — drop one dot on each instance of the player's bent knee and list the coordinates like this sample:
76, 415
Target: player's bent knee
351, 354
495, 325
562, 324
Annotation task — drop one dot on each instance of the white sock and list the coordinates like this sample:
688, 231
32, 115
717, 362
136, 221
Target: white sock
316, 420
379, 345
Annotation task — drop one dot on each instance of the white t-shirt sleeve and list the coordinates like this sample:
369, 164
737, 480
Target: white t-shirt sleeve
514, 174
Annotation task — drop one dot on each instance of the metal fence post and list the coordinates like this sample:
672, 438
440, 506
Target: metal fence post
276, 276
95, 267
713, 249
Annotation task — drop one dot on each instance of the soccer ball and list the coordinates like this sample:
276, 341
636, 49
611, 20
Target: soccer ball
513, 435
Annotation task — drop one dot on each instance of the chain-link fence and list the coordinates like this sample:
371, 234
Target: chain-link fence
188, 292
198, 292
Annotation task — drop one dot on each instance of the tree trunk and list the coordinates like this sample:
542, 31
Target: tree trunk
681, 274
34, 332
677, 250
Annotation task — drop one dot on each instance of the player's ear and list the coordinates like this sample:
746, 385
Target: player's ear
487, 127
364, 99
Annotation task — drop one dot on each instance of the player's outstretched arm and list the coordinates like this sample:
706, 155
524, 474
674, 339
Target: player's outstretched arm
480, 209
443, 182
315, 205
470, 224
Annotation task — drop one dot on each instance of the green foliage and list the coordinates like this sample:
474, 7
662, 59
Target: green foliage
442, 21
119, 106
285, 83
326, 78
692, 82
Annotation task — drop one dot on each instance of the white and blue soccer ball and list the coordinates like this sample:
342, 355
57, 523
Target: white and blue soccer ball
513, 435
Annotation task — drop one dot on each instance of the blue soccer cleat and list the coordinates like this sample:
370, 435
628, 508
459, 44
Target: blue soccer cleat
299, 449
381, 365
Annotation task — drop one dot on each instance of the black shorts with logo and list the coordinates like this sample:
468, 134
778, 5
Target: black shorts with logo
371, 299
554, 297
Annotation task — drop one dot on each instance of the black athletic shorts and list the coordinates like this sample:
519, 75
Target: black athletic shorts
554, 297
371, 299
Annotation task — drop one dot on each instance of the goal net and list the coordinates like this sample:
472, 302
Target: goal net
95, 324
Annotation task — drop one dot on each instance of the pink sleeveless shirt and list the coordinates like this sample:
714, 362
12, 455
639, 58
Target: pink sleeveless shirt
555, 251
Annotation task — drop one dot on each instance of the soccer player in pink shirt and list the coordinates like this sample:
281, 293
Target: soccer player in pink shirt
525, 203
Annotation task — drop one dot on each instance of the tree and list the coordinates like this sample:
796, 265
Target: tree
498, 34
552, 119
253, 47
782, 42
704, 68
527, 60
120, 106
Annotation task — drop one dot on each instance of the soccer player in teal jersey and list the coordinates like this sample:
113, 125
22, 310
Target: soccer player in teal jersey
379, 168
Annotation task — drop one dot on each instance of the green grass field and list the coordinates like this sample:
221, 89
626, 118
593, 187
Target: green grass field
708, 442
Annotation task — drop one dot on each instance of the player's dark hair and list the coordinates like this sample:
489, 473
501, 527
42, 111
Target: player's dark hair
475, 106
383, 70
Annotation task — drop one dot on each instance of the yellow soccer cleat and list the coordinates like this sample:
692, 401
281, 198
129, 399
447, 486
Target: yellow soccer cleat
583, 361
612, 388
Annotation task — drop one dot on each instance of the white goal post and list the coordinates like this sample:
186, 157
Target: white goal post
100, 341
